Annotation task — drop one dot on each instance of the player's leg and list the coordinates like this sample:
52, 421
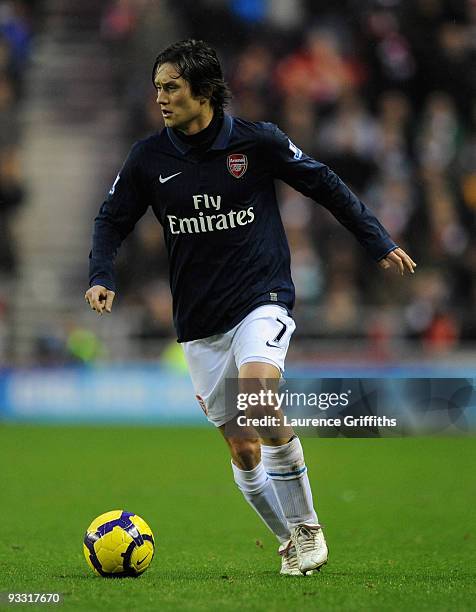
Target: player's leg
281, 449
252, 480
258, 490
283, 459
210, 363
260, 347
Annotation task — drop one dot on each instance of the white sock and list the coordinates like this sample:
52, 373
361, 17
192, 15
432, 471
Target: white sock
287, 470
258, 491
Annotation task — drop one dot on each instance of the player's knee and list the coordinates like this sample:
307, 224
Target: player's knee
245, 452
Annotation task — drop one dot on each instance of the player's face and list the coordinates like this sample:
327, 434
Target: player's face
180, 109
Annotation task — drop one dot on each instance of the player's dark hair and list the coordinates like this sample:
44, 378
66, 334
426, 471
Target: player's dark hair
198, 64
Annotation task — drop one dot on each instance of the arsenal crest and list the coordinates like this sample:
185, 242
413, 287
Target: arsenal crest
237, 164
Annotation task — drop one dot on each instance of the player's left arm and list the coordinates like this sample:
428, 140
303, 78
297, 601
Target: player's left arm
319, 182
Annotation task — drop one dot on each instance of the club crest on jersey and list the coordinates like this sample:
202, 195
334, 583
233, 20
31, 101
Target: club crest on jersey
237, 164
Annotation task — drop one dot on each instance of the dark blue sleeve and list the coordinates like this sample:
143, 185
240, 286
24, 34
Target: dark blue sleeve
317, 181
119, 213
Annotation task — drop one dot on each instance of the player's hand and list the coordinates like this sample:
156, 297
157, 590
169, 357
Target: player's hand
99, 298
399, 260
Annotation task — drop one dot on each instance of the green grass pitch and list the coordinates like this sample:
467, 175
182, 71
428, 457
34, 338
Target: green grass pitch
398, 516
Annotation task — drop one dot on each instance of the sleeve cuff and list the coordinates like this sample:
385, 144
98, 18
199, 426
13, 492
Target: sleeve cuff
387, 252
103, 283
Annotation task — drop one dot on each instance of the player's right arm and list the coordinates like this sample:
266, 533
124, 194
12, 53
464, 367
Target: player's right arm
123, 207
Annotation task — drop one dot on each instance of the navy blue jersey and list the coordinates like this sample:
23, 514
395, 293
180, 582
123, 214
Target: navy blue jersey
227, 249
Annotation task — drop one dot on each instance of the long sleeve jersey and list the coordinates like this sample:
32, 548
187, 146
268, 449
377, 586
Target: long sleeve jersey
227, 249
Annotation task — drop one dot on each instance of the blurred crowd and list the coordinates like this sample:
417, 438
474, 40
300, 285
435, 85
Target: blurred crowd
15, 38
16, 28
382, 91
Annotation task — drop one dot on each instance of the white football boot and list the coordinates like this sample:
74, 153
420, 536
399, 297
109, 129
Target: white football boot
310, 547
289, 562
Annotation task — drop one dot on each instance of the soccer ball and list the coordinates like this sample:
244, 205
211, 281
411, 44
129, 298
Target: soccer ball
118, 544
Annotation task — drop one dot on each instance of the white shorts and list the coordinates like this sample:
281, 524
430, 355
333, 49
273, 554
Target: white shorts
263, 335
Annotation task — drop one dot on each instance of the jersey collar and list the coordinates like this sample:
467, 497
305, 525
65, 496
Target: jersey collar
221, 141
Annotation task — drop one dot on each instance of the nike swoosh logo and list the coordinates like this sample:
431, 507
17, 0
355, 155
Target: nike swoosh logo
272, 345
167, 178
142, 560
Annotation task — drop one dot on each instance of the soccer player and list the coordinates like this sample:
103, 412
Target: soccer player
209, 178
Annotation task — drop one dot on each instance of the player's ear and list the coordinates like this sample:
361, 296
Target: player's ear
206, 95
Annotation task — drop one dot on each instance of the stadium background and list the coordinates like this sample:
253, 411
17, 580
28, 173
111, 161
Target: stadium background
383, 91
